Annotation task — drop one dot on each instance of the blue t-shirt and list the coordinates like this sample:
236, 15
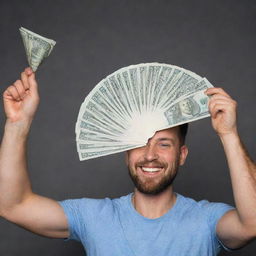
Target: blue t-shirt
112, 227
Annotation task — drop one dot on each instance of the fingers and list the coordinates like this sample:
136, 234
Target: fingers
217, 107
20, 88
28, 78
18, 85
28, 71
219, 96
229, 104
31, 79
15, 91
221, 99
220, 102
12, 93
216, 90
24, 79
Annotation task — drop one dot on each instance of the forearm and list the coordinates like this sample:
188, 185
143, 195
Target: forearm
243, 178
14, 181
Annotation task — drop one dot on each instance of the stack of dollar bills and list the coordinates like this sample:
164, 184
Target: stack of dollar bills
126, 108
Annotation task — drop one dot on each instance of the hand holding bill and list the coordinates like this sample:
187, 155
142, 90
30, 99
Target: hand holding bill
21, 98
223, 111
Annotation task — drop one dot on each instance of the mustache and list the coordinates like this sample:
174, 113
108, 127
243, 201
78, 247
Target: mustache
151, 163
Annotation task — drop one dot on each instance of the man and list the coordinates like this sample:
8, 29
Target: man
154, 220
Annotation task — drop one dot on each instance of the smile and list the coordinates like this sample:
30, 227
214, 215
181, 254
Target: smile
150, 169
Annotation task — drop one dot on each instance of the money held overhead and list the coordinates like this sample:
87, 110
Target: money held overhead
37, 47
127, 107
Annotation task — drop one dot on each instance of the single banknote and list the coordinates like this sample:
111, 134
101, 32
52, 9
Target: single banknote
37, 47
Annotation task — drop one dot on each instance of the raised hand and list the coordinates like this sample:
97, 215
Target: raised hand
21, 98
223, 111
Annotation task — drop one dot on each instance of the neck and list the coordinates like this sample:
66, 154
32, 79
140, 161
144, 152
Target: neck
154, 206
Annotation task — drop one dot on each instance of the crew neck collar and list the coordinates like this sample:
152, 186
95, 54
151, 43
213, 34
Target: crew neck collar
167, 214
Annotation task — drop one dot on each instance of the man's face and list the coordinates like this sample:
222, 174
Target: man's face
186, 106
154, 166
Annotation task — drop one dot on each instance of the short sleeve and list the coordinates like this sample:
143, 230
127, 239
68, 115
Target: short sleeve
72, 210
83, 214
214, 212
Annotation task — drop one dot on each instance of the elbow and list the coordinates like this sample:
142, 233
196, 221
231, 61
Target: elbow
251, 231
6, 212
10, 207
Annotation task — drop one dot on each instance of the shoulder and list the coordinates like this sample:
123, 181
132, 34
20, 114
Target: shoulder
92, 205
89, 214
211, 210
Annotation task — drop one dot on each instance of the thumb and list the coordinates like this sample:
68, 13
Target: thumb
33, 86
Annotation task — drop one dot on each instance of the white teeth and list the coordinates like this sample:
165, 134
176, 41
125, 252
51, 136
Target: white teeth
150, 169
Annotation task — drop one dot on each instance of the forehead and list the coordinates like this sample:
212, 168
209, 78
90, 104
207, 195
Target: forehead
167, 133
185, 101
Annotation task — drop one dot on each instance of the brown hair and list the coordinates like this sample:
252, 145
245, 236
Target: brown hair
183, 132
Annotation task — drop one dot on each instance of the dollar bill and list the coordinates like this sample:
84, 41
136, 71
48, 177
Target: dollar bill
104, 152
188, 109
37, 47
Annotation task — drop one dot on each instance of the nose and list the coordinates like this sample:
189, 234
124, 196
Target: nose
150, 153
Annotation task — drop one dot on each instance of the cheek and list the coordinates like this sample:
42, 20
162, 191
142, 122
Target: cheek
131, 160
172, 158
134, 156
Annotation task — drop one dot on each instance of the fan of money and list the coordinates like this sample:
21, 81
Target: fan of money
127, 107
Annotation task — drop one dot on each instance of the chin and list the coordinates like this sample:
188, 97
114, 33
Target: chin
153, 187
154, 190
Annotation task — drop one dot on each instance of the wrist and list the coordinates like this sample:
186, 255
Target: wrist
228, 137
20, 128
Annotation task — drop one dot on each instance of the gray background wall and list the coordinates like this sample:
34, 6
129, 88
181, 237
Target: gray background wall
215, 39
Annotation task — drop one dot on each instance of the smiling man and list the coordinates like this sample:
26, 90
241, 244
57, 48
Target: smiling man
154, 167
153, 220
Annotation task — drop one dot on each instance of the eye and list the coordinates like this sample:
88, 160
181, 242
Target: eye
165, 145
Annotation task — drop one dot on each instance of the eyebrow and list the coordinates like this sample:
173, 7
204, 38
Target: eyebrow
170, 139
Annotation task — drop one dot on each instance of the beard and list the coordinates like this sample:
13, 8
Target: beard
152, 186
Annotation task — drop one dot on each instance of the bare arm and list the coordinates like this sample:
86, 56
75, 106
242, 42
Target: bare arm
237, 227
18, 203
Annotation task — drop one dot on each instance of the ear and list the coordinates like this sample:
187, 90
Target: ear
183, 154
